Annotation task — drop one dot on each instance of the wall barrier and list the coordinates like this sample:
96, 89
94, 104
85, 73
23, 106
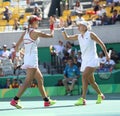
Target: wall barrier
57, 91
111, 85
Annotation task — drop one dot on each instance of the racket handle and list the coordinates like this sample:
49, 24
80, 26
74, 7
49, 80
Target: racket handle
109, 54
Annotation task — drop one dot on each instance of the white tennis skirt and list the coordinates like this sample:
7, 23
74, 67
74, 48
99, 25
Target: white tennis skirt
30, 61
94, 63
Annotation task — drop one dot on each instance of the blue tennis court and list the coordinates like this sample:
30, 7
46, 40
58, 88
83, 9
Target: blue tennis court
64, 107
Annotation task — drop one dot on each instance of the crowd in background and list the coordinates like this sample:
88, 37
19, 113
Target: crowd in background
99, 14
64, 51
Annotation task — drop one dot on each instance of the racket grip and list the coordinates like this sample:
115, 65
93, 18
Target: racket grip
109, 54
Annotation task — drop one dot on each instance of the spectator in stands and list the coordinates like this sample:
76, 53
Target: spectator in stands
102, 58
1, 51
68, 46
51, 23
71, 75
58, 49
65, 58
75, 60
79, 59
33, 84
116, 2
12, 51
8, 84
37, 11
78, 8
57, 21
16, 25
7, 14
80, 18
96, 6
68, 21
73, 53
111, 7
56, 53
104, 63
105, 20
20, 83
111, 63
15, 83
1, 71
5, 52
17, 62
109, 2
100, 13
114, 56
115, 17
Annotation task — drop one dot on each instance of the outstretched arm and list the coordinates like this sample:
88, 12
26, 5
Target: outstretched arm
69, 37
102, 45
46, 35
19, 42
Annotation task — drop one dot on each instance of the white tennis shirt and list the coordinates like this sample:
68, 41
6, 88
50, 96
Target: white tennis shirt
88, 49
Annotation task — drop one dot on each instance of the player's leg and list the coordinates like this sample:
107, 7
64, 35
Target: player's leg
91, 80
85, 75
28, 79
39, 77
27, 82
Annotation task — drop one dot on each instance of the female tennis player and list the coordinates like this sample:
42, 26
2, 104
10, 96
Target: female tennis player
87, 41
30, 38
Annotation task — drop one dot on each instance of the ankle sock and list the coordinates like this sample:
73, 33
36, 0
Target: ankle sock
16, 98
46, 99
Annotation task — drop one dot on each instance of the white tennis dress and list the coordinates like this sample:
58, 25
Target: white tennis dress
31, 51
88, 49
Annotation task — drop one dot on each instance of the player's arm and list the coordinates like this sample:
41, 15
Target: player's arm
19, 42
102, 45
69, 37
46, 35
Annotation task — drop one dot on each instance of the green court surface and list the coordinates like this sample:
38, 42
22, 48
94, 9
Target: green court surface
64, 107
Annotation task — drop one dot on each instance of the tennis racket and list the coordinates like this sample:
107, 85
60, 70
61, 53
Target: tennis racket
105, 71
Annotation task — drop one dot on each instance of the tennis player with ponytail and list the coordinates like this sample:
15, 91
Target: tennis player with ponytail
87, 41
30, 39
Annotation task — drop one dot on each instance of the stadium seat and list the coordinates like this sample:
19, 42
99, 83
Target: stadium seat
0, 3
15, 15
11, 22
7, 3
3, 22
86, 17
2, 28
66, 13
73, 18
